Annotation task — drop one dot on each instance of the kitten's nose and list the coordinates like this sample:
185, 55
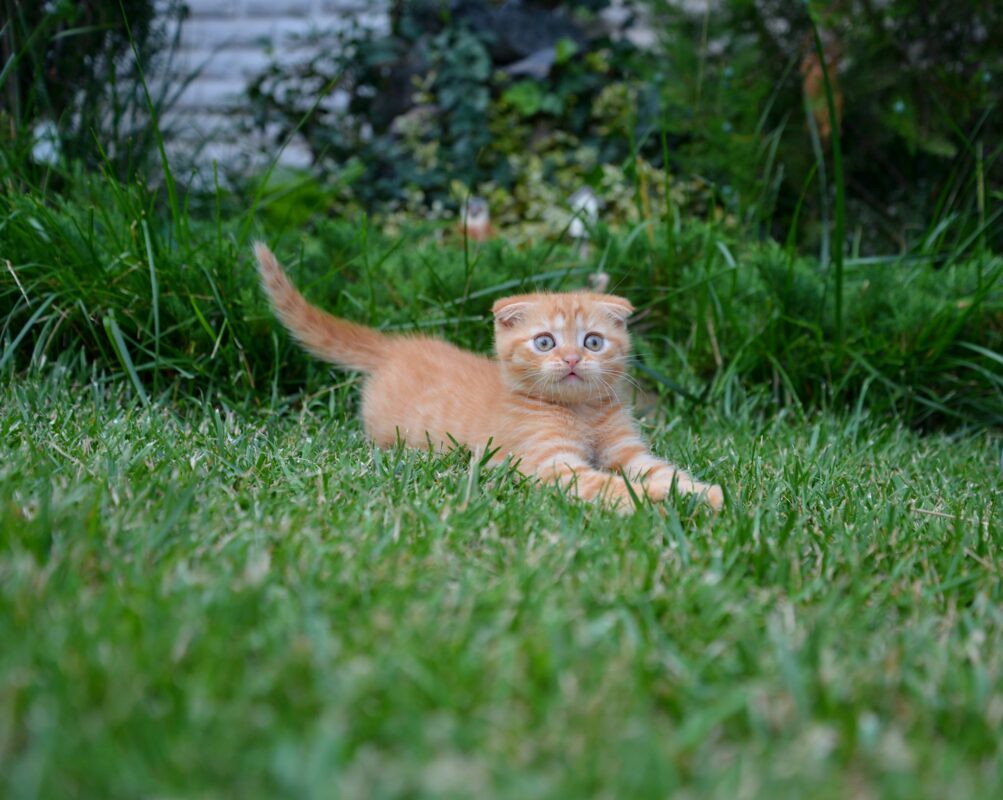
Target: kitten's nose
571, 361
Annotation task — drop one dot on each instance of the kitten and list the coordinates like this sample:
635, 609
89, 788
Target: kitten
550, 399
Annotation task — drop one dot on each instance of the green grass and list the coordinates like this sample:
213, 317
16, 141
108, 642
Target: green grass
100, 268
197, 601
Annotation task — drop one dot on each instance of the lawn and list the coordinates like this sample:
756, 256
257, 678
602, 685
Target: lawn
253, 602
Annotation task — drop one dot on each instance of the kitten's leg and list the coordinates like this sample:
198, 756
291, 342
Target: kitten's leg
621, 448
567, 466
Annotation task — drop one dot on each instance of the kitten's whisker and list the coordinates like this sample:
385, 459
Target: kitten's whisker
610, 389
628, 378
636, 384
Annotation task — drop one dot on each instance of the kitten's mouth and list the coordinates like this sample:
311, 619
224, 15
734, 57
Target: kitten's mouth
572, 376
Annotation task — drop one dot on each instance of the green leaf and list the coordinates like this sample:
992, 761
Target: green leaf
565, 49
526, 97
937, 145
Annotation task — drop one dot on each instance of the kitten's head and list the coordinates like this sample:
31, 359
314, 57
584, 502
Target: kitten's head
570, 347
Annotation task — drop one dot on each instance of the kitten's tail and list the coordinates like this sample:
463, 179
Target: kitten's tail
337, 340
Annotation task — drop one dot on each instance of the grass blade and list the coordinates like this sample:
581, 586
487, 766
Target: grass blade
155, 298
9, 352
837, 177
118, 342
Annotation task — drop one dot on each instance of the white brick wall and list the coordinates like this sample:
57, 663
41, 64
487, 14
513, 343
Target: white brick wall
229, 41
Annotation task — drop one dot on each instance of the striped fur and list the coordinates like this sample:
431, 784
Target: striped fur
558, 413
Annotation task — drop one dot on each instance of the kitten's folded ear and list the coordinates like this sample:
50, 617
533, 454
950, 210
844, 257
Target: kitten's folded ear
617, 307
509, 310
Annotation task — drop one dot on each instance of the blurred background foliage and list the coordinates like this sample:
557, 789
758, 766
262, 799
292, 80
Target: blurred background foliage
524, 102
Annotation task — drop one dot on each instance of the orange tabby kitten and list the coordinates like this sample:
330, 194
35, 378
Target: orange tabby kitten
550, 399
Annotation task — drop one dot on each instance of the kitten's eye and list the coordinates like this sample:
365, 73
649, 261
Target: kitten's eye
544, 342
593, 342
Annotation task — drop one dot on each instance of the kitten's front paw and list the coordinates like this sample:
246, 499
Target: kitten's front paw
659, 488
713, 496
656, 491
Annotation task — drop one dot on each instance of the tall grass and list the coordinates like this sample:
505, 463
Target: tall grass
98, 268
67, 68
840, 185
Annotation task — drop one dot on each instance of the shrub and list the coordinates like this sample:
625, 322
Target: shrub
443, 106
917, 84
70, 73
459, 101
